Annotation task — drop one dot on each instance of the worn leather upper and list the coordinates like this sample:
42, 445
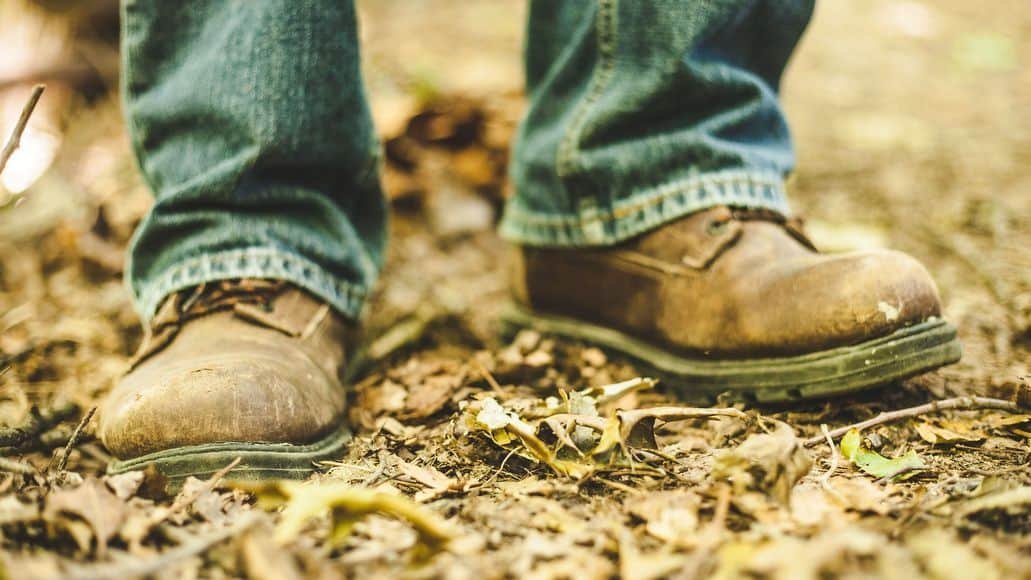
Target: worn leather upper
251, 363
724, 284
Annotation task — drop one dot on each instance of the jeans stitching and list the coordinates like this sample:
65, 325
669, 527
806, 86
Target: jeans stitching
251, 263
669, 207
660, 195
605, 32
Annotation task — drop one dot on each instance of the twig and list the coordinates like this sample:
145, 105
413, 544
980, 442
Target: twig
719, 514
15, 140
13, 466
74, 438
955, 403
901, 471
140, 567
618, 485
35, 425
825, 479
498, 471
375, 475
487, 376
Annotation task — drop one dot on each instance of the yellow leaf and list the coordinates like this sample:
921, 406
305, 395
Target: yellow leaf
936, 434
346, 506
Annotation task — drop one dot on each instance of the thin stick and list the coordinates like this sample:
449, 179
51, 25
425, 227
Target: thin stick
618, 485
719, 514
36, 424
487, 376
955, 403
15, 140
825, 479
74, 438
498, 471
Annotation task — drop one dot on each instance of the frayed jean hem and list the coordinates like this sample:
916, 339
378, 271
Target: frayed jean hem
257, 262
596, 225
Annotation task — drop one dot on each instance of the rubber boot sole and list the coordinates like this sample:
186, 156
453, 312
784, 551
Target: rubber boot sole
258, 461
905, 353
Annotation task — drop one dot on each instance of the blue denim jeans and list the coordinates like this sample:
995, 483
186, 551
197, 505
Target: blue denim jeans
250, 124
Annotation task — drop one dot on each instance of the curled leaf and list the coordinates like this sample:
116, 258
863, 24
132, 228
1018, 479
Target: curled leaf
346, 505
583, 440
876, 464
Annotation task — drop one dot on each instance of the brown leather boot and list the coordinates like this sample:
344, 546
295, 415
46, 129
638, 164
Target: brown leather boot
740, 301
244, 368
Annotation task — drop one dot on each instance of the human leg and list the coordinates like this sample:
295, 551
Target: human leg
651, 215
250, 125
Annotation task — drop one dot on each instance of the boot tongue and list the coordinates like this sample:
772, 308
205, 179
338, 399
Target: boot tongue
250, 299
697, 239
794, 226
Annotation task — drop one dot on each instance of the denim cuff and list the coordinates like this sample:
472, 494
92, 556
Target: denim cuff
596, 224
257, 262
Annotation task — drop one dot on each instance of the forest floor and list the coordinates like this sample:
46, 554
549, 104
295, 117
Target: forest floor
912, 127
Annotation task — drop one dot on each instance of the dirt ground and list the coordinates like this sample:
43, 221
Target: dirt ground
478, 456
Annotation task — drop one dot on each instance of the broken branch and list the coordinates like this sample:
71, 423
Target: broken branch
36, 424
74, 438
15, 140
955, 403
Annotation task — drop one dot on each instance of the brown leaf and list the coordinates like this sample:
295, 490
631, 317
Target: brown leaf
125, 485
13, 511
429, 396
427, 475
671, 515
264, 559
95, 504
769, 462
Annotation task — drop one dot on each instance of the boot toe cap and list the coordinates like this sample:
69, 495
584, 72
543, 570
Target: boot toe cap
844, 300
273, 399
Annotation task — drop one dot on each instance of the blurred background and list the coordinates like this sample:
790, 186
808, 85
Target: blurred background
911, 121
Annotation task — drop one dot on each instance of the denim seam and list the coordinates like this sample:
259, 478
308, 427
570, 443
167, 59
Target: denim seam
642, 200
637, 215
605, 32
254, 262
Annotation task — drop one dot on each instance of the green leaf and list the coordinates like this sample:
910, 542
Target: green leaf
876, 464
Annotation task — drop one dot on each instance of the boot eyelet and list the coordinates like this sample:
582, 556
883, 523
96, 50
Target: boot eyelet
717, 227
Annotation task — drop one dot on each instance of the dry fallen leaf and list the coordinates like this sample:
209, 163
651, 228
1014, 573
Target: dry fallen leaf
95, 505
671, 515
768, 462
945, 556
125, 485
944, 431
264, 560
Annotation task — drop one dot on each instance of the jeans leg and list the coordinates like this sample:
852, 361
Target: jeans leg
250, 125
642, 111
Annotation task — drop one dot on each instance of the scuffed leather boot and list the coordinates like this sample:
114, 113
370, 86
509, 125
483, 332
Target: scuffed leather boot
243, 368
740, 301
